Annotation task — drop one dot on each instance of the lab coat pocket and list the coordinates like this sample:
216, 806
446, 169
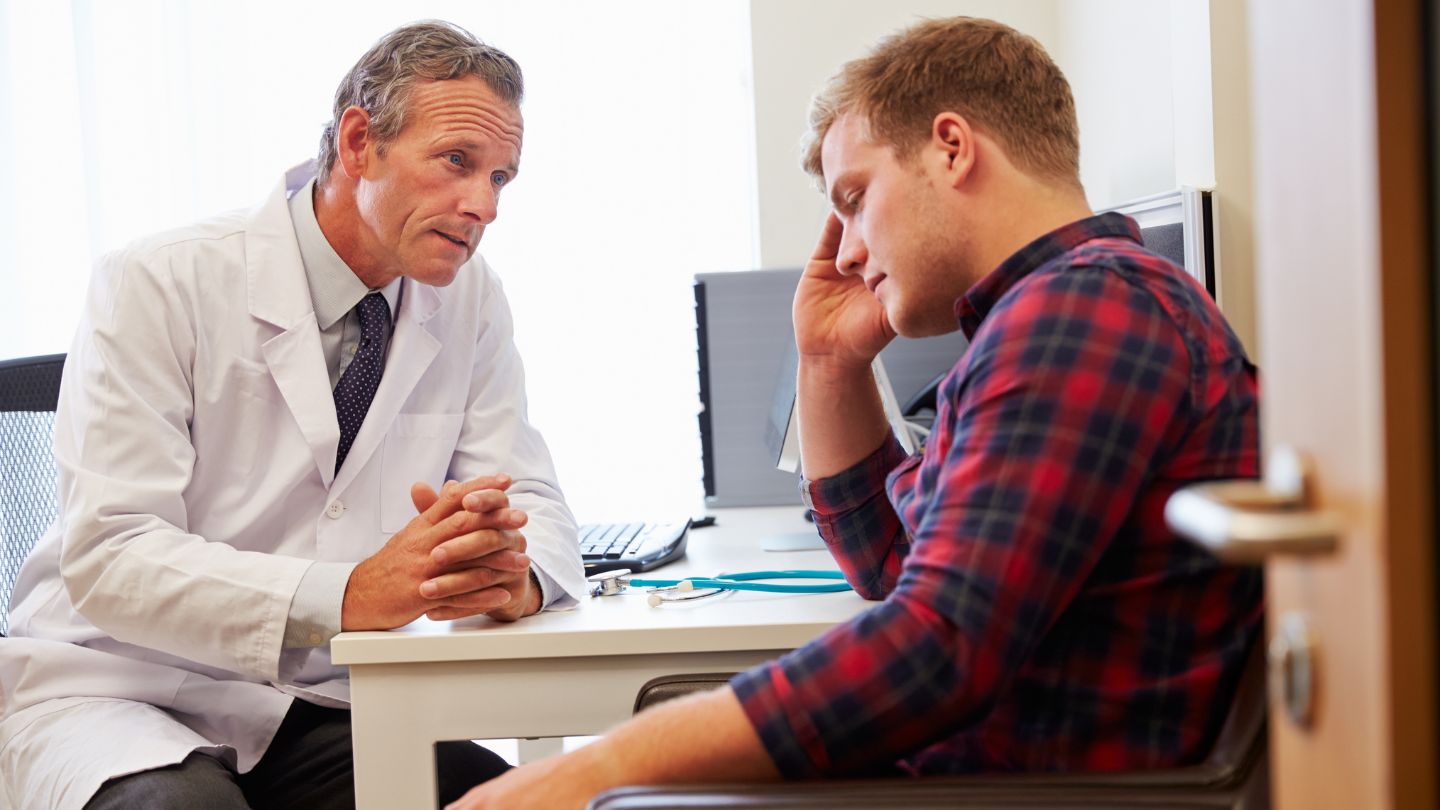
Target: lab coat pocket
418, 447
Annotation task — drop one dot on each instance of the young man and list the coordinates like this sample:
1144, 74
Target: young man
246, 407
1037, 614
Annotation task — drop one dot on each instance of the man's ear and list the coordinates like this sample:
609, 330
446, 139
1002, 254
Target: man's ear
352, 139
953, 137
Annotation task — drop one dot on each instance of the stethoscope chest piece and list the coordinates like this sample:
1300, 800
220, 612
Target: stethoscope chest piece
609, 583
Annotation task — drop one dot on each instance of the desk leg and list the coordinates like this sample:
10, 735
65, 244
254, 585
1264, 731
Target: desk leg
399, 711
394, 755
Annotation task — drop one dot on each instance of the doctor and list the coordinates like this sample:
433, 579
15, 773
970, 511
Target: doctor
255, 416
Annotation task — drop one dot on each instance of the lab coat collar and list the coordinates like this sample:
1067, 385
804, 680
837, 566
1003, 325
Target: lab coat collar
278, 294
281, 307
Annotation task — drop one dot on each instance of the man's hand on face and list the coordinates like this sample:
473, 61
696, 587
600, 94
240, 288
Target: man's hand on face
462, 555
837, 319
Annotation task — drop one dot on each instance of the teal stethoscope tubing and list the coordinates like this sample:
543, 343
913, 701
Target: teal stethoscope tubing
745, 581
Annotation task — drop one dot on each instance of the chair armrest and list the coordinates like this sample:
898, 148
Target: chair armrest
670, 687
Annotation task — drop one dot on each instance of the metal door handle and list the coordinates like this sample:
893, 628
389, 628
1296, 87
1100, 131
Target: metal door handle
1246, 521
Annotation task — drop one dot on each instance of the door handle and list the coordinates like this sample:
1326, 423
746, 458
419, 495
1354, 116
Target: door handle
1246, 521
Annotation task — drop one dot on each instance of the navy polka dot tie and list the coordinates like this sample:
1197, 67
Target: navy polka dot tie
357, 385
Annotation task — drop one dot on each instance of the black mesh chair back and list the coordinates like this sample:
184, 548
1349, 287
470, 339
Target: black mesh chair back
29, 388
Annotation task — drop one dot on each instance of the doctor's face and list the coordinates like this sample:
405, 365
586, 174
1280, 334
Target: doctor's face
426, 197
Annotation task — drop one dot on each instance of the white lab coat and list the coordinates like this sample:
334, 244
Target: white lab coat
196, 439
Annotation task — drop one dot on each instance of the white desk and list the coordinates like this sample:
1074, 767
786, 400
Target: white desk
568, 673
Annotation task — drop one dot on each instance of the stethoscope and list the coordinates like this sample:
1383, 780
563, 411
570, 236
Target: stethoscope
612, 583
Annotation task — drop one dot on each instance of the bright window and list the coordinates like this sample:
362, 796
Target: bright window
123, 118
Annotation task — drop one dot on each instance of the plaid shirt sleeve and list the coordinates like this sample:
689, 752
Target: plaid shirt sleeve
1045, 435
858, 524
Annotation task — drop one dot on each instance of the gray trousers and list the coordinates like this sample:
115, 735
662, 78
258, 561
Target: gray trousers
308, 765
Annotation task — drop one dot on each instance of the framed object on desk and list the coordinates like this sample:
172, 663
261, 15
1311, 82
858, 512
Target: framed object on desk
782, 432
1178, 225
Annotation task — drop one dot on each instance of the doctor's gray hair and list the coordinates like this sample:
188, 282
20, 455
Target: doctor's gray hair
429, 50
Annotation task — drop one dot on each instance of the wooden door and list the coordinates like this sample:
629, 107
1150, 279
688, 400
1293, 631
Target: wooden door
1347, 365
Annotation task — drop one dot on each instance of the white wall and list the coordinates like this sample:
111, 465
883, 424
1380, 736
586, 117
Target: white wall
1162, 92
796, 46
1140, 72
1190, 65
1234, 185
1116, 54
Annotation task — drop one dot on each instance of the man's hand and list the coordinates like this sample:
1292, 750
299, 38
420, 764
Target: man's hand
700, 738
460, 556
840, 326
838, 320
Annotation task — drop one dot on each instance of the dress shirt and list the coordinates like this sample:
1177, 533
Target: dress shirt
1038, 615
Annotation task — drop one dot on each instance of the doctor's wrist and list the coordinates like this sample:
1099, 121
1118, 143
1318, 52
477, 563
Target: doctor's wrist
536, 598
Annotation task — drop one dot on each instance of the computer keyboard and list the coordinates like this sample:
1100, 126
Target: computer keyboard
637, 546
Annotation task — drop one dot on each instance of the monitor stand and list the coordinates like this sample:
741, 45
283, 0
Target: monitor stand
796, 541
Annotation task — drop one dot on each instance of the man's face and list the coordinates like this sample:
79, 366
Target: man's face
901, 236
426, 201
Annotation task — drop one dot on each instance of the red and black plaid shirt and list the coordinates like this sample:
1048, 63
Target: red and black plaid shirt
1038, 615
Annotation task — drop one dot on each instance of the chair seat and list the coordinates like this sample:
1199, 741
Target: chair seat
1157, 789
1198, 786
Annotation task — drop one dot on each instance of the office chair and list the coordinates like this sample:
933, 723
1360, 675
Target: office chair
29, 388
1235, 775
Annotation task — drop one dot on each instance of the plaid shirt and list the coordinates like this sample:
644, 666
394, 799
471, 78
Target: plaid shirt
1038, 615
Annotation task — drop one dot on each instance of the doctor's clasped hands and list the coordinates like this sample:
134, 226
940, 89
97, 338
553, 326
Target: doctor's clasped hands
462, 555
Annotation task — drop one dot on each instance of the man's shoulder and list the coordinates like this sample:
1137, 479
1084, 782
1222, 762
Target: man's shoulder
1137, 268
1122, 259
1121, 283
216, 229
202, 254
1118, 272
1082, 300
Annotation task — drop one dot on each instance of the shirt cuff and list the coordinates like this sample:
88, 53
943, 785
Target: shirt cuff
550, 590
856, 485
315, 610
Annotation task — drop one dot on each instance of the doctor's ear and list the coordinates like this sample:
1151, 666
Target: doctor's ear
952, 136
351, 139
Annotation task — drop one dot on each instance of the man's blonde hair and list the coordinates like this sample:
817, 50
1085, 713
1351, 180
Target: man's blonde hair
999, 79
